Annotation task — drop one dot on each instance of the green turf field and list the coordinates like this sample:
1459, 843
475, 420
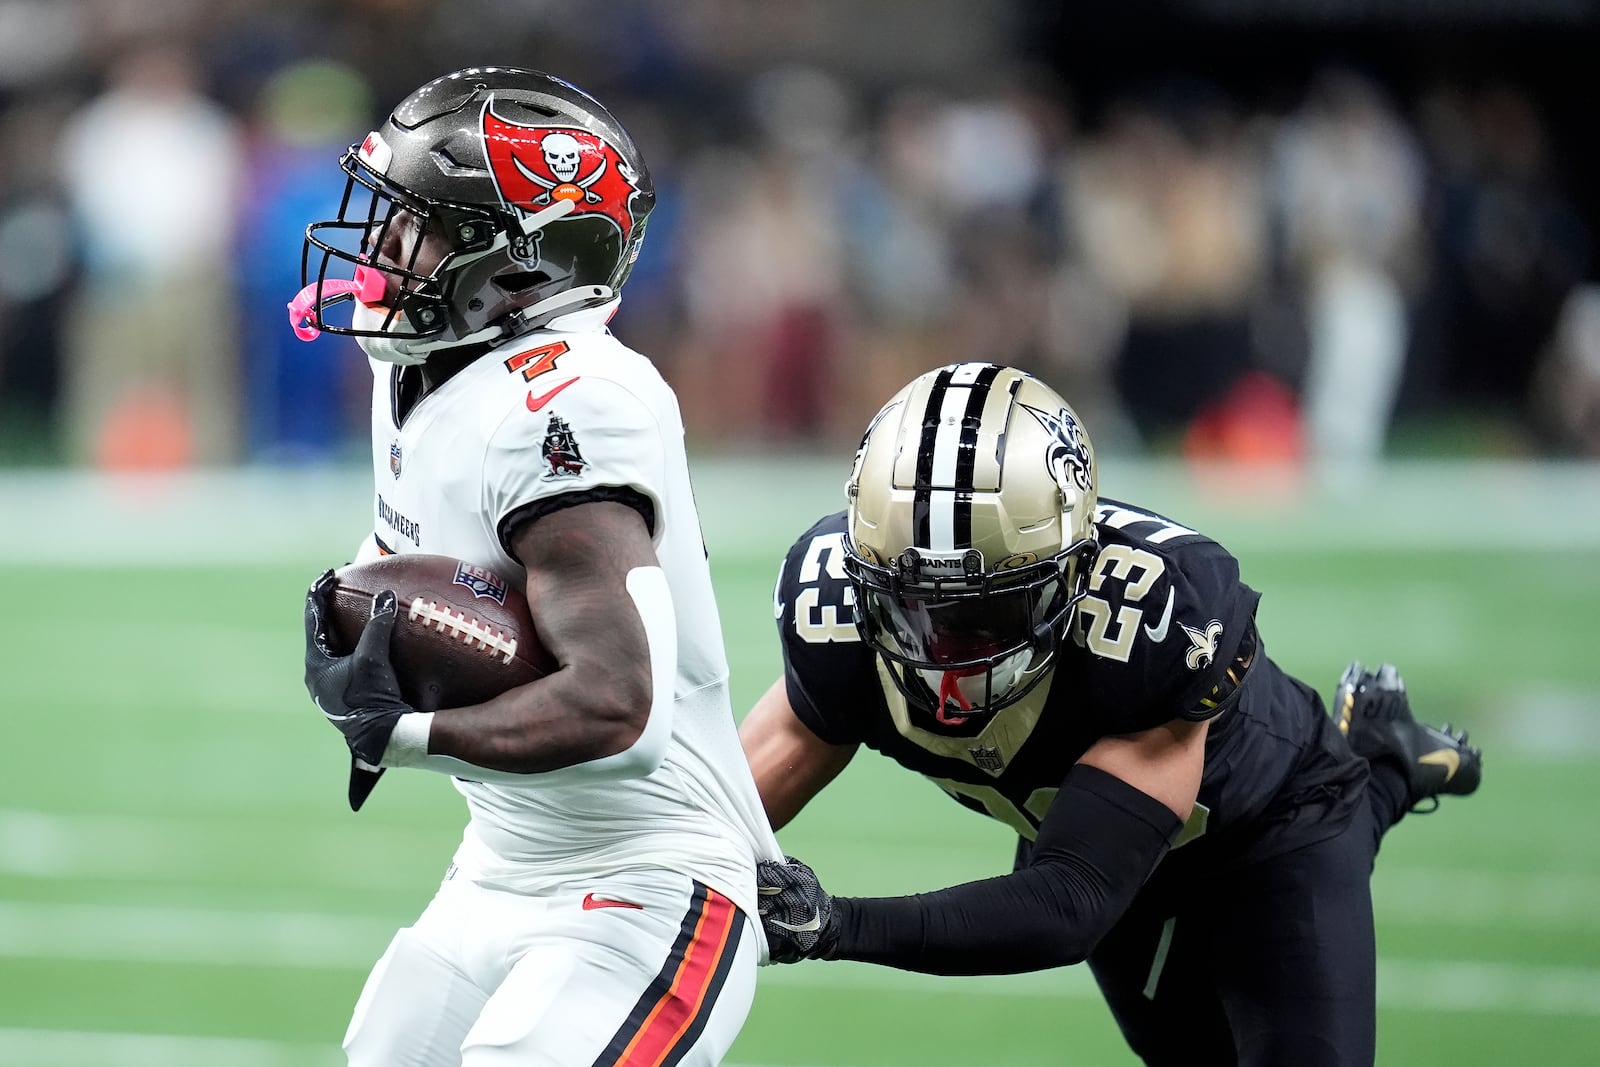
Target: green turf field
182, 884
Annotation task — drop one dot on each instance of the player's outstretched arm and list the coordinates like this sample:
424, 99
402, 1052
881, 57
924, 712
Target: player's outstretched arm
602, 608
790, 763
1117, 813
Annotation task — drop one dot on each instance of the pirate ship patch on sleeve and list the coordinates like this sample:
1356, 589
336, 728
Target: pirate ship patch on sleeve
561, 450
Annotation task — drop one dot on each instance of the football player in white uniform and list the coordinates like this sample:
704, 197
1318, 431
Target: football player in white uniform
599, 907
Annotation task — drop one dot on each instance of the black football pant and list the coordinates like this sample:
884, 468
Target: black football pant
1272, 963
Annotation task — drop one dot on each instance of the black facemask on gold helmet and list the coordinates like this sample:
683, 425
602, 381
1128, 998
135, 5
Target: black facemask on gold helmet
971, 535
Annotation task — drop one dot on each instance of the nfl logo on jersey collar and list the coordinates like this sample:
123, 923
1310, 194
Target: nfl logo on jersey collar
394, 458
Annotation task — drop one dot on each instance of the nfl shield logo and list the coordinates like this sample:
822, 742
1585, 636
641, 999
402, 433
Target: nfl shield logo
481, 582
987, 757
394, 458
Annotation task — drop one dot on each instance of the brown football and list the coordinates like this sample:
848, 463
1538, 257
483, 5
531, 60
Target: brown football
463, 634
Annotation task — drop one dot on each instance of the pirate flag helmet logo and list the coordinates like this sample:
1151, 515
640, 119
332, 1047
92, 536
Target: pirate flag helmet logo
536, 166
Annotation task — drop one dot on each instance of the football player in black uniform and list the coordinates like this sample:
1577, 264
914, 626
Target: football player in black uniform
1191, 822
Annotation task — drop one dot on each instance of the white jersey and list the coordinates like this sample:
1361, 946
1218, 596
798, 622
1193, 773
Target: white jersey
554, 412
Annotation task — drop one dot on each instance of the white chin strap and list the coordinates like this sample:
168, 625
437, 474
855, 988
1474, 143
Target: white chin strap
401, 345
398, 345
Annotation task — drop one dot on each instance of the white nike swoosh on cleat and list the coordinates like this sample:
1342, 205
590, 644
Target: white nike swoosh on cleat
1448, 758
1158, 634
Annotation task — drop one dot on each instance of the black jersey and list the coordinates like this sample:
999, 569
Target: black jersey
1166, 631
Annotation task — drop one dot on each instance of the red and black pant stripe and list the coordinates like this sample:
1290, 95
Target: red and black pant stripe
671, 1014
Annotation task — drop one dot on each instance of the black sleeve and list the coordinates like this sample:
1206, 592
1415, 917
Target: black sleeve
828, 673
1217, 634
1186, 641
1096, 846
1223, 686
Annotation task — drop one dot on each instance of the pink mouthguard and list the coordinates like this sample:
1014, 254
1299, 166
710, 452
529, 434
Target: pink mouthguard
367, 287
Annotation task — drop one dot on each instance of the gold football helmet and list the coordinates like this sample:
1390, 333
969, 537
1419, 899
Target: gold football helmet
971, 535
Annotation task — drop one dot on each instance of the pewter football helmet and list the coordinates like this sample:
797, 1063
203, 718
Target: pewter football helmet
971, 535
539, 193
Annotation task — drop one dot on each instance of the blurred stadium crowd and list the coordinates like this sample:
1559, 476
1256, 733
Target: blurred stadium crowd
1282, 261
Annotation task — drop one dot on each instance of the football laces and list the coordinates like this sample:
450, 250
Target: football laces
462, 627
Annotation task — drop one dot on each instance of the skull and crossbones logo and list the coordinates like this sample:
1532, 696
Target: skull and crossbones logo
563, 155
536, 167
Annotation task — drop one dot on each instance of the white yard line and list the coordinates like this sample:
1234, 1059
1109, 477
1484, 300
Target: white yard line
94, 847
323, 941
83, 1048
88, 1048
1403, 985
750, 504
1484, 898
163, 850
190, 935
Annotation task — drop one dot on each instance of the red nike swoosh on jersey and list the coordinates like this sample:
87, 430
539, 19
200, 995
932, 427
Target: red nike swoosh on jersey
591, 902
537, 402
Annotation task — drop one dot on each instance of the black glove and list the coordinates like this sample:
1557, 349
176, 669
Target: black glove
358, 693
797, 914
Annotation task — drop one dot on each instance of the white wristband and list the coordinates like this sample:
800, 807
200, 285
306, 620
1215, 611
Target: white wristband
408, 745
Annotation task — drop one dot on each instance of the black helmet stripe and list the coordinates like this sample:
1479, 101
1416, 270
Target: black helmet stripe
922, 494
967, 453
946, 456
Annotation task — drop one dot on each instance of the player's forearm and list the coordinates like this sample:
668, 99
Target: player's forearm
789, 762
591, 720
556, 723
635, 761
1085, 872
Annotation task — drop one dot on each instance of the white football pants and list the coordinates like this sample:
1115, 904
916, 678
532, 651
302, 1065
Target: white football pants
645, 969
